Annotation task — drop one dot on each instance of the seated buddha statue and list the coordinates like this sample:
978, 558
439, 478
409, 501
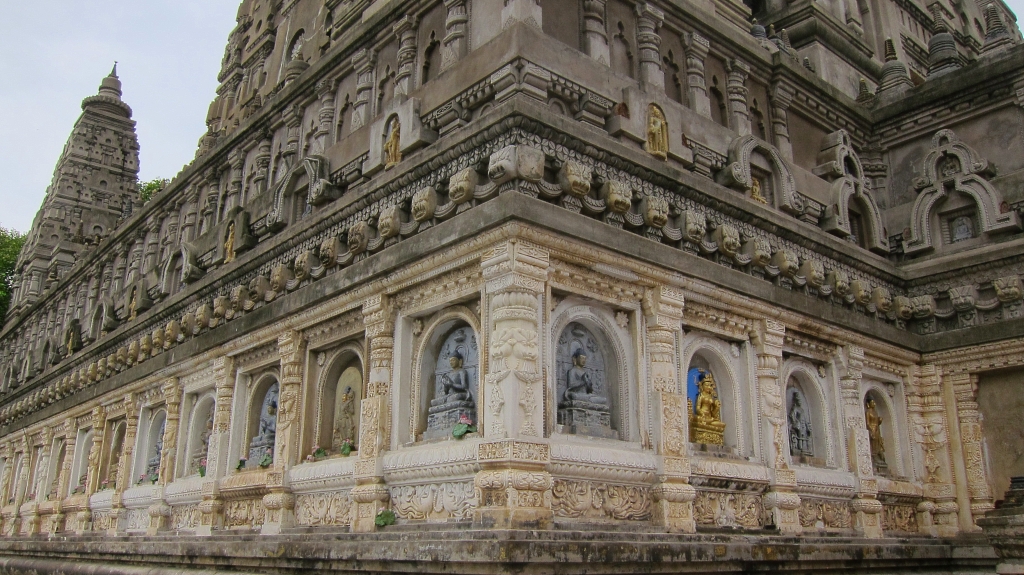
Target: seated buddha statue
706, 425
579, 385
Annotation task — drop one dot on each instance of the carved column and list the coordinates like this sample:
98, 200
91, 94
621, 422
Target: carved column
526, 11
122, 480
938, 512
513, 488
21, 484
363, 63
191, 209
455, 33
237, 160
290, 152
217, 461
92, 479
262, 160
781, 97
325, 90
964, 388
280, 503
6, 487
736, 86
159, 511
781, 500
697, 48
153, 237
31, 519
595, 34
370, 494
210, 211
867, 510
64, 477
673, 494
405, 30
648, 20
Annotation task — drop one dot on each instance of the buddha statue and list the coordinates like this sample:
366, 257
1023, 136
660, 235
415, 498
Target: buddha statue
583, 408
453, 397
579, 386
229, 244
799, 429
874, 425
392, 148
657, 133
345, 420
706, 425
263, 442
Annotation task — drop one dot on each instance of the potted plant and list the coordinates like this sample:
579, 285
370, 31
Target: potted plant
104, 484
241, 464
319, 452
202, 467
464, 426
267, 459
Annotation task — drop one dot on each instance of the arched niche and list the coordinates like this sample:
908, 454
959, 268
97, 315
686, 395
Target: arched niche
888, 430
955, 190
52, 482
12, 486
776, 184
804, 384
80, 465
302, 187
852, 212
152, 446
726, 363
578, 325
200, 429
261, 426
586, 381
447, 386
113, 460
339, 396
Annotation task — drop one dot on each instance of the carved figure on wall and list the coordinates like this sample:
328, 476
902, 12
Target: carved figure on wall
706, 425
229, 244
263, 443
755, 191
153, 462
133, 304
202, 447
392, 149
962, 229
657, 133
345, 420
800, 432
874, 424
455, 381
583, 406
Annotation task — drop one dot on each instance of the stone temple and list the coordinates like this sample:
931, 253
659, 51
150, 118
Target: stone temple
538, 286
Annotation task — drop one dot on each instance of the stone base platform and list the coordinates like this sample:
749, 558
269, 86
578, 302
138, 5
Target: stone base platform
462, 549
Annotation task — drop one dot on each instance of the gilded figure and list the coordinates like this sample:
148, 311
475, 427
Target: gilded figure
392, 150
874, 424
755, 191
657, 133
229, 244
706, 425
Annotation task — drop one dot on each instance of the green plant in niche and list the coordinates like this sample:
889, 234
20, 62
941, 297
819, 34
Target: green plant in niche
464, 426
267, 459
346, 447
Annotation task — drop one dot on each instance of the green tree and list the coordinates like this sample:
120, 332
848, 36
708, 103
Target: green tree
10, 246
148, 189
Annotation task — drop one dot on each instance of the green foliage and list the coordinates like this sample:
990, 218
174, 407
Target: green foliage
10, 246
148, 189
384, 518
461, 429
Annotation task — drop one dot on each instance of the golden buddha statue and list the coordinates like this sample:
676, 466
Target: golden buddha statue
706, 425
133, 305
229, 244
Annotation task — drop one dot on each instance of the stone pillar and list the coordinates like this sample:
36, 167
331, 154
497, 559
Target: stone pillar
736, 86
867, 510
5, 488
21, 484
648, 20
122, 480
210, 211
150, 258
191, 209
938, 512
455, 33
405, 30
781, 97
370, 494
526, 11
92, 479
280, 503
781, 499
595, 34
262, 161
237, 160
218, 463
64, 474
513, 488
673, 494
325, 90
290, 153
978, 498
363, 63
31, 520
159, 511
697, 48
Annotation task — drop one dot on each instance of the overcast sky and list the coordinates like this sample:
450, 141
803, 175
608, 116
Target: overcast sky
53, 53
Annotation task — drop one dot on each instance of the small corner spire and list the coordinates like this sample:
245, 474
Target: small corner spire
113, 72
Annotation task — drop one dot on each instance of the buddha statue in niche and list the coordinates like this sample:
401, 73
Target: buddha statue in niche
454, 381
263, 442
706, 425
583, 405
874, 425
799, 428
345, 420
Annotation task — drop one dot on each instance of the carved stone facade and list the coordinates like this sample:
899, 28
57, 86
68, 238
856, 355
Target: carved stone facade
431, 267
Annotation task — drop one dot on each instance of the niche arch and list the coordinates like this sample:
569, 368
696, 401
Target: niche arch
852, 211
892, 428
952, 168
728, 363
801, 375
200, 428
428, 358
261, 418
150, 456
345, 369
619, 379
114, 454
737, 173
